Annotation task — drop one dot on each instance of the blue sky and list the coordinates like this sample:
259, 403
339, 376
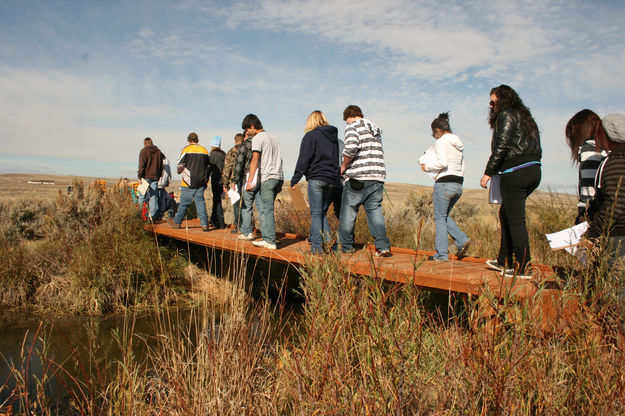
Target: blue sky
83, 82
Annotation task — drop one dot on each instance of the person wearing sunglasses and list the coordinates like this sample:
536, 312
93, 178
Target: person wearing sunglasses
515, 156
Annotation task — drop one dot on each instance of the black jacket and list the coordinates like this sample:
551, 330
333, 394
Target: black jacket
217, 158
318, 156
511, 145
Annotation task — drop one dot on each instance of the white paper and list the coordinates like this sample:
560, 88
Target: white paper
233, 195
143, 186
568, 238
494, 190
429, 156
247, 177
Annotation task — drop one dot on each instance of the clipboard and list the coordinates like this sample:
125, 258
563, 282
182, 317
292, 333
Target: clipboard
298, 198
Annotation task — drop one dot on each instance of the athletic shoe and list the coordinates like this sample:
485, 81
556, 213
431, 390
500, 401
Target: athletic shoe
383, 253
431, 258
510, 273
463, 250
264, 244
205, 228
173, 224
246, 237
493, 264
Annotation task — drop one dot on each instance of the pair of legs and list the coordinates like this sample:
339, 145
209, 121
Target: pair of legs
217, 211
165, 204
370, 197
445, 196
514, 251
236, 207
269, 189
319, 198
188, 195
151, 196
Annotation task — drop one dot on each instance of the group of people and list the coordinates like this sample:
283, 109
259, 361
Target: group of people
352, 173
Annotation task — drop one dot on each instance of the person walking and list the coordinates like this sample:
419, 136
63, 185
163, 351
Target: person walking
193, 165
216, 159
515, 155
163, 196
266, 160
318, 161
226, 178
581, 132
239, 176
450, 167
364, 172
150, 169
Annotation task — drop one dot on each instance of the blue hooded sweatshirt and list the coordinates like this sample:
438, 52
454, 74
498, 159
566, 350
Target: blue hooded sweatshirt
318, 156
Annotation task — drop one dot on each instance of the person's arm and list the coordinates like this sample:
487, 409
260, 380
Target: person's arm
306, 154
253, 168
142, 162
502, 136
441, 157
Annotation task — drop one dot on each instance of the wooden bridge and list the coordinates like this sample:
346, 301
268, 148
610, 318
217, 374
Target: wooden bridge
469, 275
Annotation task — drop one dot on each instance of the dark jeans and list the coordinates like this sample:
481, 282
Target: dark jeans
515, 188
319, 194
217, 211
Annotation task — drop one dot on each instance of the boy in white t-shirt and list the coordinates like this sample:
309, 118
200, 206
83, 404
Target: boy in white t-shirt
267, 158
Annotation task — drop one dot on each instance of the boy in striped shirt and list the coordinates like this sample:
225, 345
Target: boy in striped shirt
364, 173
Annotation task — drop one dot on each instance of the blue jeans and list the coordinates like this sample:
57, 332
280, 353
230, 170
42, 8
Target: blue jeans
152, 196
319, 199
445, 196
247, 209
370, 196
186, 196
268, 192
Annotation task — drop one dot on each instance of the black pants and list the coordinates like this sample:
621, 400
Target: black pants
515, 188
217, 213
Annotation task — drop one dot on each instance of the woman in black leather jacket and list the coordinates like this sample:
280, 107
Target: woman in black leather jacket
515, 155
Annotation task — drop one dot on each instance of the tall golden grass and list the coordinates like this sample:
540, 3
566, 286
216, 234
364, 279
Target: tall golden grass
362, 346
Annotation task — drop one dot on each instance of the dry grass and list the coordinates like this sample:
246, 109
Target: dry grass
359, 346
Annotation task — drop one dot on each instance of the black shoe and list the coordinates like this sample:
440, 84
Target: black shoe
463, 250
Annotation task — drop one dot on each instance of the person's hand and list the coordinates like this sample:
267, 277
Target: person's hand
585, 243
248, 186
343, 169
293, 187
233, 186
423, 167
484, 181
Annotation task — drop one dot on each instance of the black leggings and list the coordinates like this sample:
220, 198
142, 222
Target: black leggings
515, 188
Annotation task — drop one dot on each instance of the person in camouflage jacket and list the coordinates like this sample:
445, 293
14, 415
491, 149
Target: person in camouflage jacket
231, 157
242, 163
227, 178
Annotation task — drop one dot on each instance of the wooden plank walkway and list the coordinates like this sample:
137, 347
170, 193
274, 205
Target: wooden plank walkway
469, 275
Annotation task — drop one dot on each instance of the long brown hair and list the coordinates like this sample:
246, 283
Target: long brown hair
507, 98
583, 126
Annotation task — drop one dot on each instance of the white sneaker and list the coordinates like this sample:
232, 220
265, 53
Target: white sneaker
246, 237
510, 274
494, 265
264, 244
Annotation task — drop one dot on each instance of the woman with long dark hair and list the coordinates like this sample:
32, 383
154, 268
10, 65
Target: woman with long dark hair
515, 155
581, 133
606, 213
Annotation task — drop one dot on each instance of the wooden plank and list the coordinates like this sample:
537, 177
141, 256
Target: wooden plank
469, 275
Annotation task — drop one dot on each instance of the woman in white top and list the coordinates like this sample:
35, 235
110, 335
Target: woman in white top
449, 165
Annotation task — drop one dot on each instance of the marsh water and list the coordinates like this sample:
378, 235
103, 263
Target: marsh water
36, 349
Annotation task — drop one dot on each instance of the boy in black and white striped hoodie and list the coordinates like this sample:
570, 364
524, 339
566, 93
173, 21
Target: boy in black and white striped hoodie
364, 172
